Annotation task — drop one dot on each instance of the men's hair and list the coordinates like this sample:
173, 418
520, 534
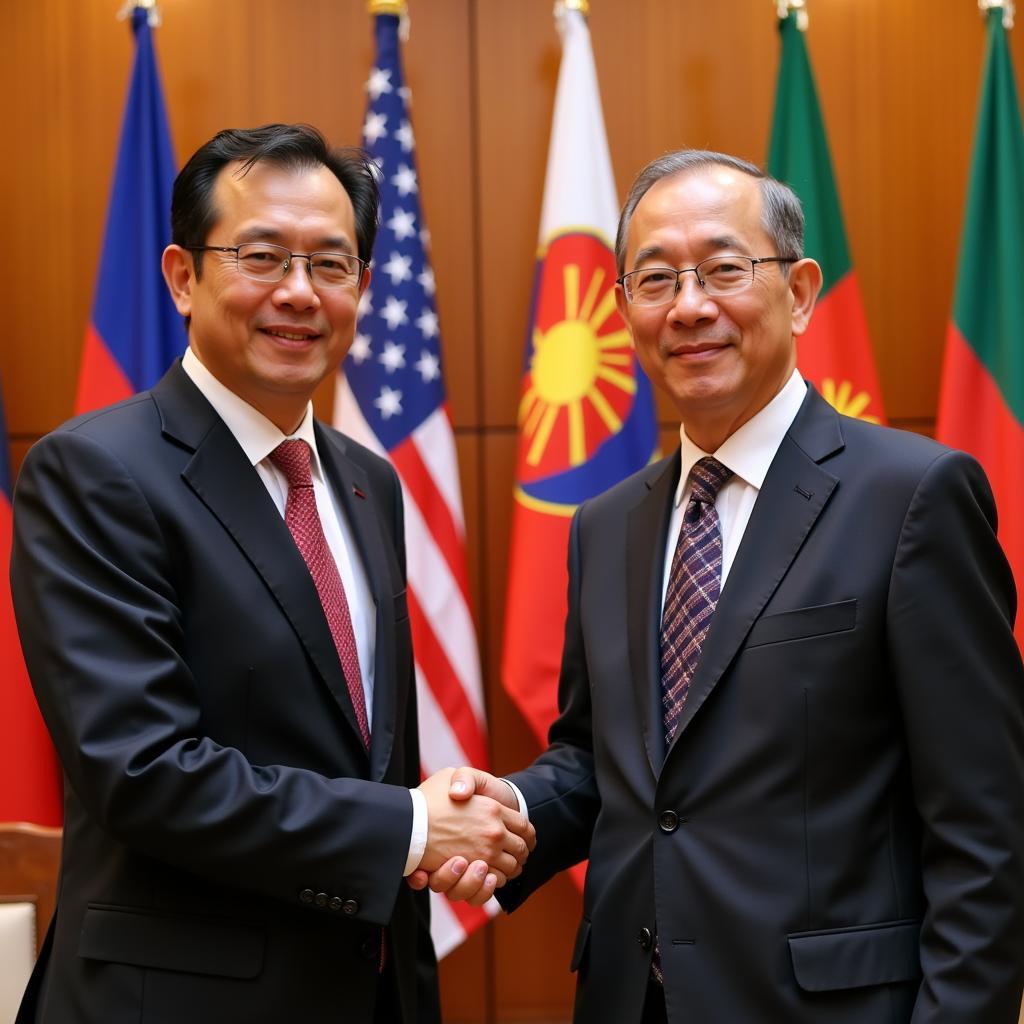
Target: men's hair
781, 213
294, 147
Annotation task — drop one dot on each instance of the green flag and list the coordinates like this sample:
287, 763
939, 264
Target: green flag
981, 403
835, 351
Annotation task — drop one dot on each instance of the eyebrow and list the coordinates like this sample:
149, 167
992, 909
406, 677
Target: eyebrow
719, 242
327, 243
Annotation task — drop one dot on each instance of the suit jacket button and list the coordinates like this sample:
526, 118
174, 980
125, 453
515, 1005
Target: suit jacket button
334, 903
350, 907
668, 821
320, 899
645, 938
306, 896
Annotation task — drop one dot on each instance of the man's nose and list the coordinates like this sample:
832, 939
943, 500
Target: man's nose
691, 304
296, 287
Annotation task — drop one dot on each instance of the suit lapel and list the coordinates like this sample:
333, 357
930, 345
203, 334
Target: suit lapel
796, 490
644, 571
223, 479
355, 497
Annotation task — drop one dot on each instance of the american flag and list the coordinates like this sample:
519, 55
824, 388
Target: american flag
390, 396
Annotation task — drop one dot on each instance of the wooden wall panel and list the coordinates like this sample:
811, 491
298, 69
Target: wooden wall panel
898, 83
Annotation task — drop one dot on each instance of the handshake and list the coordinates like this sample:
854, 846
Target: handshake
477, 839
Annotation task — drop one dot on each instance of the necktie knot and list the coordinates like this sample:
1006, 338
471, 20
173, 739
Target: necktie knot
707, 478
292, 458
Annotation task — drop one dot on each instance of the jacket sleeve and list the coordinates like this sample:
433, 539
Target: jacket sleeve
961, 687
101, 623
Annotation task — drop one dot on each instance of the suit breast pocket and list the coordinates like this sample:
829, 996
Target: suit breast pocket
803, 623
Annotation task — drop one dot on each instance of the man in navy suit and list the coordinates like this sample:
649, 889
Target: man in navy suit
223, 658
791, 738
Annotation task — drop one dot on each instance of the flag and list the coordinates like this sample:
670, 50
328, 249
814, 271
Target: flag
134, 332
30, 779
390, 396
835, 352
981, 401
586, 413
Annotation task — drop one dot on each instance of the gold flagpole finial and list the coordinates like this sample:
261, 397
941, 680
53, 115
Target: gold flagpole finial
1008, 8
798, 7
583, 6
398, 7
147, 5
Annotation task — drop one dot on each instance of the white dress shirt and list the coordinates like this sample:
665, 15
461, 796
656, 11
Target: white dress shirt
258, 437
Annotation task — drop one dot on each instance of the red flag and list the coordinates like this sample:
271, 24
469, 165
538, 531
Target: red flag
30, 778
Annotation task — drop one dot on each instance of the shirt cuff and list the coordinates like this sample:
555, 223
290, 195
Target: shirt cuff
418, 839
523, 809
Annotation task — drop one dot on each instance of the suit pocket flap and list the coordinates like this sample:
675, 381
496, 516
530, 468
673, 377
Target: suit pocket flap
145, 938
877, 954
802, 623
580, 947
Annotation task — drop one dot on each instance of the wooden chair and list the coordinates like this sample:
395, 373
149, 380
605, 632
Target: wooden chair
29, 860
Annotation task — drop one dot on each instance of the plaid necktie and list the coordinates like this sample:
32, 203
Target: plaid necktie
694, 584
693, 587
303, 520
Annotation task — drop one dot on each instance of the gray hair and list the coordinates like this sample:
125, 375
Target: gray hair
781, 215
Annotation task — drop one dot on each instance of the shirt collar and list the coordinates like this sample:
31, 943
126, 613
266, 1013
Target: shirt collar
256, 435
749, 451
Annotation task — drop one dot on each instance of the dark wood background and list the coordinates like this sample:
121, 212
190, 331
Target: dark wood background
898, 82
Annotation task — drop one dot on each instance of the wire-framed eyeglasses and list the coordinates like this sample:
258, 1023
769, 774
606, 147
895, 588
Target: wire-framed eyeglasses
263, 261
720, 275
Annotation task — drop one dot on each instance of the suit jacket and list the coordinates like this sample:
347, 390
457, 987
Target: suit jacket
231, 850
836, 833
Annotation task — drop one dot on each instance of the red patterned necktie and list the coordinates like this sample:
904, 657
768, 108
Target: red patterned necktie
694, 583
303, 520
693, 586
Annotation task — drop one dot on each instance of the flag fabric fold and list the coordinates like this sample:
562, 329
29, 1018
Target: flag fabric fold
31, 786
390, 396
134, 333
835, 352
981, 400
586, 413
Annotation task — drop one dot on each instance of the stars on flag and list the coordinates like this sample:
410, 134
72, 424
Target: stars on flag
379, 83
429, 366
361, 349
398, 268
404, 136
427, 323
393, 357
374, 128
426, 280
405, 180
394, 312
402, 224
389, 402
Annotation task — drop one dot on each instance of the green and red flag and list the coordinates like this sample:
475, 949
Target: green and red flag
981, 402
835, 352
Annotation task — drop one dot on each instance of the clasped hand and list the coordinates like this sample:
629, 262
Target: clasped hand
477, 839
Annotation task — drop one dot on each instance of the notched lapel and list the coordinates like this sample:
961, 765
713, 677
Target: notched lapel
645, 557
223, 479
795, 492
363, 515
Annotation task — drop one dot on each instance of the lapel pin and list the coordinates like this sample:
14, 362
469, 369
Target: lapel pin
358, 493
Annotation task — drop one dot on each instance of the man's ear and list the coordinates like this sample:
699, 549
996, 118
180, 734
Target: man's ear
364, 281
179, 273
805, 284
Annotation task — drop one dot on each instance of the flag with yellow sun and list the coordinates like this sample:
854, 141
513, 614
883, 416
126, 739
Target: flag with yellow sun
586, 414
835, 351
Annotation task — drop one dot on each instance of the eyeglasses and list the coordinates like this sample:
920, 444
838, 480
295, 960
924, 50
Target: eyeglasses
262, 261
720, 275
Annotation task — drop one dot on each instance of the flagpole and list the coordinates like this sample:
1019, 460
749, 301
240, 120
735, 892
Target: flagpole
1008, 8
147, 5
785, 7
583, 6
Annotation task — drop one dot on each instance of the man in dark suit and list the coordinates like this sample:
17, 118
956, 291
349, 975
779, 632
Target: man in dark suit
210, 592
791, 738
